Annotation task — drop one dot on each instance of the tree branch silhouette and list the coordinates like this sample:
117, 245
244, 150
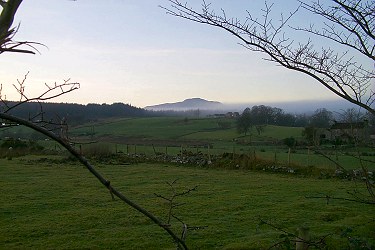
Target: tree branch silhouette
338, 71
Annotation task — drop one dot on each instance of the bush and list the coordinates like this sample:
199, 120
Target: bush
11, 147
96, 150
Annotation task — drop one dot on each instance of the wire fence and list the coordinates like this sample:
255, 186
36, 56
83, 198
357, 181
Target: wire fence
302, 156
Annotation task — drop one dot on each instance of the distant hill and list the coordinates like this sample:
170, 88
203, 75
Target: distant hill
188, 104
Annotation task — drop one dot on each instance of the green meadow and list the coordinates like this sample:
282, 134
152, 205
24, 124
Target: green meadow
49, 201
135, 135
178, 128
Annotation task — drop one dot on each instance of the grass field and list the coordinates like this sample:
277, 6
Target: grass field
49, 204
157, 130
178, 127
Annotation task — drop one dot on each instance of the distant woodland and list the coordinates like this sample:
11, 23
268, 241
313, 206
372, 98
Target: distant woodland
76, 114
73, 113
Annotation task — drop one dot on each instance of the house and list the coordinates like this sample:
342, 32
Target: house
232, 114
349, 131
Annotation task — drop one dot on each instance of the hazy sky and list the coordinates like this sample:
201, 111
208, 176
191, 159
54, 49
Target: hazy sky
131, 51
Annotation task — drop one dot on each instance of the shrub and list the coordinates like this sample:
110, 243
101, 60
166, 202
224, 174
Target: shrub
96, 150
11, 147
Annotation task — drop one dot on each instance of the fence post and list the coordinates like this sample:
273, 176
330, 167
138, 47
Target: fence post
302, 241
289, 157
275, 158
308, 156
208, 152
255, 156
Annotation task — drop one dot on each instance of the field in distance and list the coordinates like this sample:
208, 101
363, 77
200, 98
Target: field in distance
220, 134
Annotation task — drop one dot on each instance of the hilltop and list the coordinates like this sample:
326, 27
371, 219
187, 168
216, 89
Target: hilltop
187, 104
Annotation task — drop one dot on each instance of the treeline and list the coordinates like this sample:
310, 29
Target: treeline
261, 115
75, 114
258, 115
70, 112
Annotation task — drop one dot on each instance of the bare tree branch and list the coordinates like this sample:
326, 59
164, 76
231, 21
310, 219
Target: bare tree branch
93, 171
355, 18
7, 44
337, 71
7, 120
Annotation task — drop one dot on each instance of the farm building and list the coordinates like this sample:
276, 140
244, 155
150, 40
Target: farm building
348, 132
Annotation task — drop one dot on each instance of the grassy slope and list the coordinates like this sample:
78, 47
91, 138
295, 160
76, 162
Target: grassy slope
167, 128
161, 128
46, 205
177, 127
222, 139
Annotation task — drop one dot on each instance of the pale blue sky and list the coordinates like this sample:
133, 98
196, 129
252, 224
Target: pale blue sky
130, 51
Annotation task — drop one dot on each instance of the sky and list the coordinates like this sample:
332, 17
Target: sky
131, 51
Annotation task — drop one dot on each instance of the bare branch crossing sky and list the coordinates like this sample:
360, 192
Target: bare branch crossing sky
131, 51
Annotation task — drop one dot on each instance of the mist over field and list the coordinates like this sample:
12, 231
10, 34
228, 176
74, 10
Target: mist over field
298, 107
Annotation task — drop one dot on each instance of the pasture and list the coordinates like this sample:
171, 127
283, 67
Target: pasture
49, 201
153, 135
56, 204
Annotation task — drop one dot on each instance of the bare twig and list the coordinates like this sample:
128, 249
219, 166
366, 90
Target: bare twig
93, 171
337, 71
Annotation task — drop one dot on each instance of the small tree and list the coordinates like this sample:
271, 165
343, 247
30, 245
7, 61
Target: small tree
244, 122
322, 118
310, 133
351, 115
290, 142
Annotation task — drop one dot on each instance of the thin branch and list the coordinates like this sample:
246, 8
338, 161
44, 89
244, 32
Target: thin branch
347, 79
93, 171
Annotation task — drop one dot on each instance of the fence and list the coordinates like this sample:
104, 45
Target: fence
303, 156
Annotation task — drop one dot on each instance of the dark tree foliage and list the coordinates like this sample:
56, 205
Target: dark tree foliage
260, 116
322, 118
290, 142
244, 122
75, 113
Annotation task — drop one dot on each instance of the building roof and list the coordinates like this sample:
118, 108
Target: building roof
348, 125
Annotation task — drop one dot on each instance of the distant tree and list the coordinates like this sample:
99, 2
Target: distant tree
348, 25
311, 135
351, 115
286, 120
301, 120
244, 122
322, 118
262, 115
224, 124
370, 119
276, 116
290, 142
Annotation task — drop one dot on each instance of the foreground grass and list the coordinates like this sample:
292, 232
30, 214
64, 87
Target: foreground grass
61, 206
